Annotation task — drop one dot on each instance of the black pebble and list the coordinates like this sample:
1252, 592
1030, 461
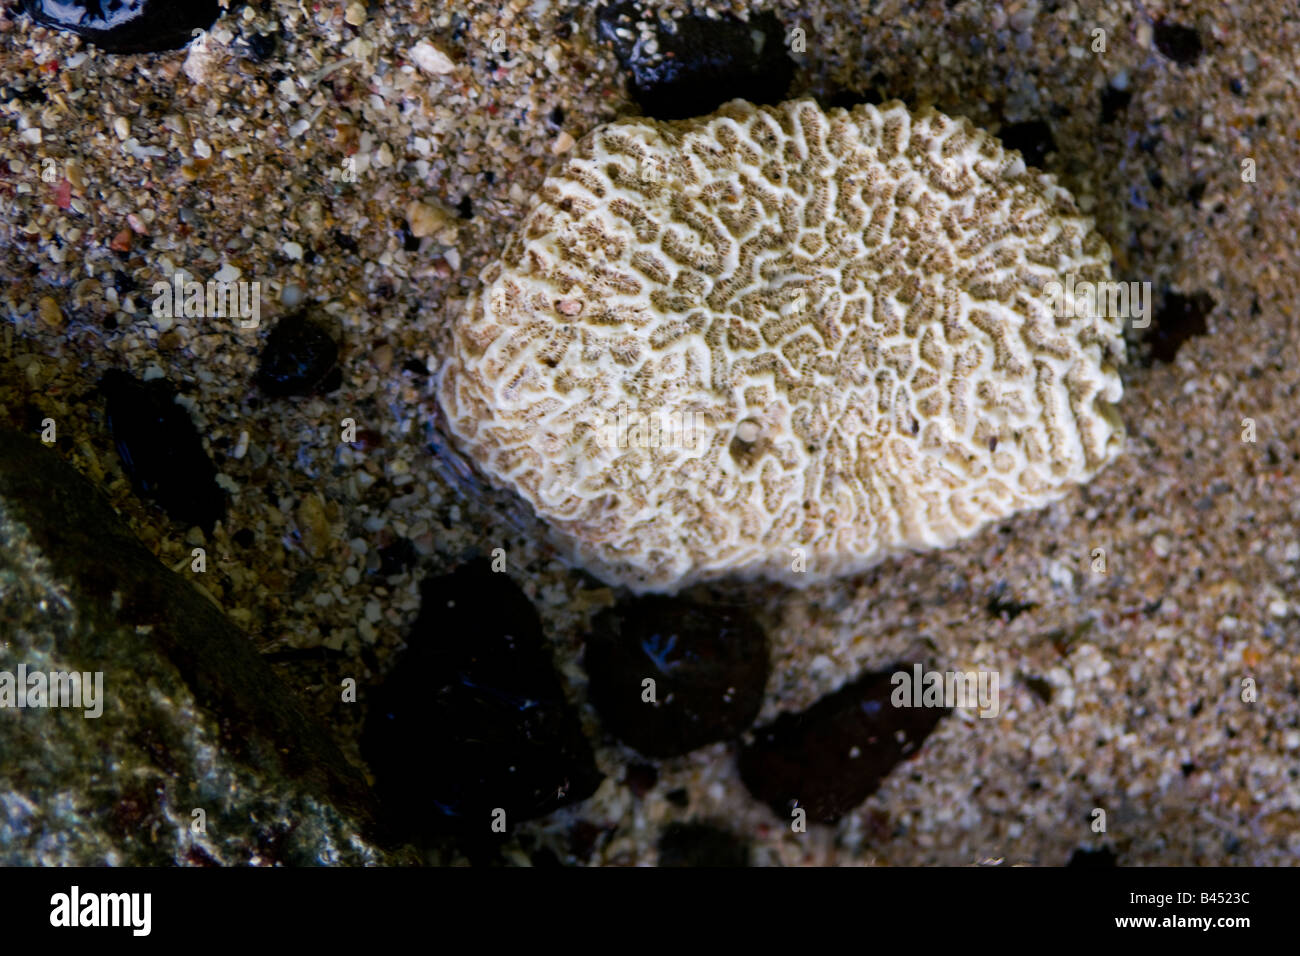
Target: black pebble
472, 716
397, 557
1103, 857
465, 208
344, 241
699, 844
299, 357
128, 26
1179, 43
1114, 102
709, 664
261, 46
161, 450
703, 64
409, 242
805, 759
1033, 138
1179, 318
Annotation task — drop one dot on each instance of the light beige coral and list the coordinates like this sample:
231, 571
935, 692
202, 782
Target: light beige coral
782, 341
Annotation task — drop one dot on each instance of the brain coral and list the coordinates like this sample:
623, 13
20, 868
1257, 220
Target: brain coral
785, 342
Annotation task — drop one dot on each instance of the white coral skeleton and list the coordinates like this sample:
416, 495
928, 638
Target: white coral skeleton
846, 306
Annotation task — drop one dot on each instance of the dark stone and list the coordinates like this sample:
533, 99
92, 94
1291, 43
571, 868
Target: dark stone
161, 450
1007, 609
702, 64
641, 778
1084, 857
709, 664
261, 46
1179, 43
128, 26
472, 716
192, 716
409, 242
699, 844
1040, 688
806, 759
1033, 138
1114, 102
1179, 318
344, 241
397, 557
465, 208
679, 798
299, 357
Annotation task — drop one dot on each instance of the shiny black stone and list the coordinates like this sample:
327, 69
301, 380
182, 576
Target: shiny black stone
1179, 43
709, 664
702, 64
807, 759
299, 357
128, 26
472, 716
161, 450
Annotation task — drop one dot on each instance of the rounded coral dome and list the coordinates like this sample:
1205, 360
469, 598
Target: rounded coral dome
785, 342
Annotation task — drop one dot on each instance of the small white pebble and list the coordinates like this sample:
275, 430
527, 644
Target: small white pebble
201, 149
241, 445
291, 294
430, 59
563, 143
122, 127
292, 249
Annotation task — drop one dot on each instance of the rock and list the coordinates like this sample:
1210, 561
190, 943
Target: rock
192, 718
1032, 138
472, 717
699, 66
699, 844
1177, 42
161, 450
709, 665
128, 26
1085, 857
50, 313
1179, 318
832, 756
300, 357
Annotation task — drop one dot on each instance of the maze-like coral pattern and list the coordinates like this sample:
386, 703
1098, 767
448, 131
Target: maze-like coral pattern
848, 308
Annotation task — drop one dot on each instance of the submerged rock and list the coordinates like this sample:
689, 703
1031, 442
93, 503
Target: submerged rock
698, 63
832, 756
472, 718
198, 755
128, 26
709, 665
